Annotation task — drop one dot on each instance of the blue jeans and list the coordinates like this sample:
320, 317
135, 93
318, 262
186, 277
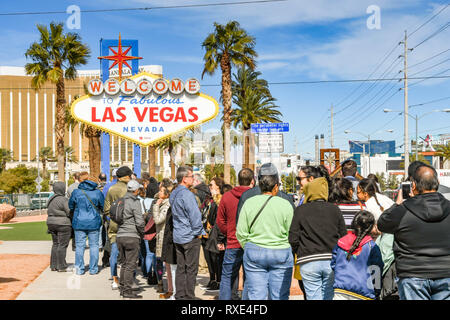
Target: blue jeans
148, 262
80, 240
318, 280
424, 289
268, 272
100, 242
113, 259
232, 262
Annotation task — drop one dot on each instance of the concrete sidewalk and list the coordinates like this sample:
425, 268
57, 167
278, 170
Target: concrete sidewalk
51, 285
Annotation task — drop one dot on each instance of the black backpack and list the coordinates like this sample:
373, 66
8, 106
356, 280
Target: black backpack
116, 211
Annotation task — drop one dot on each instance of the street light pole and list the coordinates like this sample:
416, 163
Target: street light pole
416, 118
364, 146
417, 137
405, 72
368, 139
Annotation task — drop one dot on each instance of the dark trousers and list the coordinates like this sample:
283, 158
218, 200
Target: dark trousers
129, 251
72, 236
187, 269
60, 237
214, 261
302, 287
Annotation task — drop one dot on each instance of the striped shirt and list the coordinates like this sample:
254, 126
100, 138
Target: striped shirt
349, 210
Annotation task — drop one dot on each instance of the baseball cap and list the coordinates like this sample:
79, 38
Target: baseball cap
124, 171
114, 173
268, 169
133, 185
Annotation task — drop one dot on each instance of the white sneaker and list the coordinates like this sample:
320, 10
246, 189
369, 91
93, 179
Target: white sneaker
114, 285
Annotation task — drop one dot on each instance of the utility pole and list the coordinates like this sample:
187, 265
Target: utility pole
405, 74
332, 132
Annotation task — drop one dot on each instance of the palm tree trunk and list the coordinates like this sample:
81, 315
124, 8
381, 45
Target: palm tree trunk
251, 152
246, 149
172, 163
161, 161
182, 156
44, 168
94, 155
60, 125
226, 98
151, 161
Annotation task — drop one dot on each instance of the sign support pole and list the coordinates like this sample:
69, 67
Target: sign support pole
105, 140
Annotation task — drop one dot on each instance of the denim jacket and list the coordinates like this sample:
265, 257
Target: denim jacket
187, 218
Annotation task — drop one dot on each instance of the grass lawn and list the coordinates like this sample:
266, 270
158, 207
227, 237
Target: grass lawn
32, 231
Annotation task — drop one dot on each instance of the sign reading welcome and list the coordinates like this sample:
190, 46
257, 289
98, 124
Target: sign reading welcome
144, 109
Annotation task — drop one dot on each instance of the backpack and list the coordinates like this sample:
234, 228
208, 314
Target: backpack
116, 211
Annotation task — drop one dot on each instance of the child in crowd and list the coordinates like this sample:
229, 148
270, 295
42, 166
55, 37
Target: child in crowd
357, 262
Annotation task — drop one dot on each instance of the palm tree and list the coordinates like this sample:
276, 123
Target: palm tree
228, 45
254, 103
444, 152
71, 157
6, 155
152, 160
55, 58
93, 135
236, 140
249, 91
45, 155
171, 145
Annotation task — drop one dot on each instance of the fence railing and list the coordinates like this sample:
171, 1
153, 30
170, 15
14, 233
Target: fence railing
25, 201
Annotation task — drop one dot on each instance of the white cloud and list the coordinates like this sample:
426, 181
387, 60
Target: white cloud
264, 15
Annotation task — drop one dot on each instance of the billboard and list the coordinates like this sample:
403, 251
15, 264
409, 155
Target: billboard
144, 108
375, 146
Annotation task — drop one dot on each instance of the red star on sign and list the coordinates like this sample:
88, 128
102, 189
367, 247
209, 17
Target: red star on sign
120, 58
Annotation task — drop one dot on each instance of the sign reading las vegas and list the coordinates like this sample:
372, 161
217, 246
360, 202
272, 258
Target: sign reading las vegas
144, 108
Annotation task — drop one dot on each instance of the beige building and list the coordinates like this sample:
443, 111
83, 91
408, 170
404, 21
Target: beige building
27, 118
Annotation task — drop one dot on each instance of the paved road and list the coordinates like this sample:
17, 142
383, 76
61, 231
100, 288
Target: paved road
52, 285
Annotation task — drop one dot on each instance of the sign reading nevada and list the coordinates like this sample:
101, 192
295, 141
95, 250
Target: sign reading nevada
144, 109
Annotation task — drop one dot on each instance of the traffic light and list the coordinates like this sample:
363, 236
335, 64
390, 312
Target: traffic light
288, 163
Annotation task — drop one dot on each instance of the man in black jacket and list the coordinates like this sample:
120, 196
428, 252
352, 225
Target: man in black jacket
421, 227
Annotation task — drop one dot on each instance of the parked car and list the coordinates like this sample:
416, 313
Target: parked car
41, 198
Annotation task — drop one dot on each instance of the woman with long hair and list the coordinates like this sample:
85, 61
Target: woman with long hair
159, 210
315, 229
376, 203
357, 262
342, 195
212, 254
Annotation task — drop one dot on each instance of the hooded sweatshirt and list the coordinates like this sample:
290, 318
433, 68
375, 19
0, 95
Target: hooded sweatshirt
86, 216
226, 215
317, 225
421, 227
360, 276
58, 206
202, 191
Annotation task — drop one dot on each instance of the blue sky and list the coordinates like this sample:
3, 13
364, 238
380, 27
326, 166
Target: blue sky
296, 40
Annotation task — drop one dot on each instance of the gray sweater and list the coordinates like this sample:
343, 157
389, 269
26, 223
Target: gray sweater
58, 206
133, 223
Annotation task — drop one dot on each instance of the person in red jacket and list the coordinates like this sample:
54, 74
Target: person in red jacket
226, 221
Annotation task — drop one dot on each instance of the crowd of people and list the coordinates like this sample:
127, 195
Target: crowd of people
343, 239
